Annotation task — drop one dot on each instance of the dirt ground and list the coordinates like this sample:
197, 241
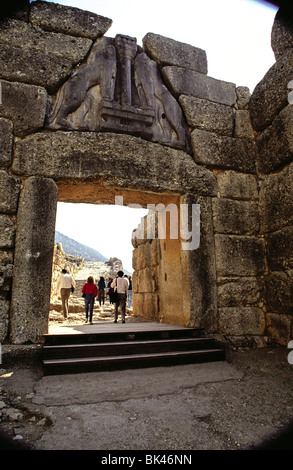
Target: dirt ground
244, 403
216, 406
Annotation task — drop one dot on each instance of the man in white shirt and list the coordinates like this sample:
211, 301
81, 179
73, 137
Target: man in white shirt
121, 285
64, 283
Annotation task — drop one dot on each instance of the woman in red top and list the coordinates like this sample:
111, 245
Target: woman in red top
91, 291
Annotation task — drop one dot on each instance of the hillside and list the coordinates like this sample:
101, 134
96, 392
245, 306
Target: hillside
75, 248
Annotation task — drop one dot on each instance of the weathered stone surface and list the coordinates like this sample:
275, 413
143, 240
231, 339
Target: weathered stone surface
7, 232
6, 273
280, 249
282, 32
233, 185
167, 51
187, 82
243, 96
26, 36
240, 293
202, 270
4, 319
241, 321
279, 292
276, 200
118, 160
33, 260
24, 105
6, 142
275, 143
279, 328
146, 254
239, 255
223, 152
32, 67
235, 217
208, 116
9, 192
270, 96
68, 20
243, 127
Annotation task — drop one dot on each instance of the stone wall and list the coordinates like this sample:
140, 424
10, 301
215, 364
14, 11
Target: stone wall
237, 166
272, 118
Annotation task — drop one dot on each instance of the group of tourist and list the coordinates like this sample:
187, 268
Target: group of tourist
119, 291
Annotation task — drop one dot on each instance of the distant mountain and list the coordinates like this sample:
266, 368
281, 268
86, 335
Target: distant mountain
75, 248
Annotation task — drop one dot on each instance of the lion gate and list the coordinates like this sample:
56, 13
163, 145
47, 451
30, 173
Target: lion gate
86, 118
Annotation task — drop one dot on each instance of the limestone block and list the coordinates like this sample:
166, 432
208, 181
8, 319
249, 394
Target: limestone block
7, 231
275, 143
138, 258
166, 51
243, 96
119, 160
4, 319
9, 192
270, 95
279, 328
239, 255
6, 273
147, 280
235, 217
223, 152
282, 32
280, 249
68, 20
34, 249
6, 142
243, 127
208, 116
188, 82
135, 281
241, 321
276, 200
202, 269
26, 36
137, 303
151, 307
32, 67
279, 292
24, 105
237, 185
240, 293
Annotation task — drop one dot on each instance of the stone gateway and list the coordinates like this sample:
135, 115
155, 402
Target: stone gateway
85, 118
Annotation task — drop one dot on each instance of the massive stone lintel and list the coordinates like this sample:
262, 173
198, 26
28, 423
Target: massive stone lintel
119, 88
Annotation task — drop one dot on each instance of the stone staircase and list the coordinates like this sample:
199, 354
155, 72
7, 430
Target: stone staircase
87, 352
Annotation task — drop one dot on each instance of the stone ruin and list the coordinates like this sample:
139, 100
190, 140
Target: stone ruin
85, 117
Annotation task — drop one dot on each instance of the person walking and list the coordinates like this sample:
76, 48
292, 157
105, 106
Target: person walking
110, 290
121, 285
101, 290
90, 291
129, 292
65, 282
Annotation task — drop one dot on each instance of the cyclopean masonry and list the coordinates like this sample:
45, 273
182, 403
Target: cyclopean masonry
86, 118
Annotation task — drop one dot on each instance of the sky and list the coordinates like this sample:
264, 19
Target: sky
236, 35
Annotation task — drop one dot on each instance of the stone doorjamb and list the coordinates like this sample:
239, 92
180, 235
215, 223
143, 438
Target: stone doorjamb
91, 167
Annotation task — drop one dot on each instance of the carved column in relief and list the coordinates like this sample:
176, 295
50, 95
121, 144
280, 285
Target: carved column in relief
126, 51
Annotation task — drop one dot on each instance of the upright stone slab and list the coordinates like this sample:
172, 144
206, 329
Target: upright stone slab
33, 260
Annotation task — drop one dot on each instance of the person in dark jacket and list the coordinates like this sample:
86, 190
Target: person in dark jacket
90, 291
101, 290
